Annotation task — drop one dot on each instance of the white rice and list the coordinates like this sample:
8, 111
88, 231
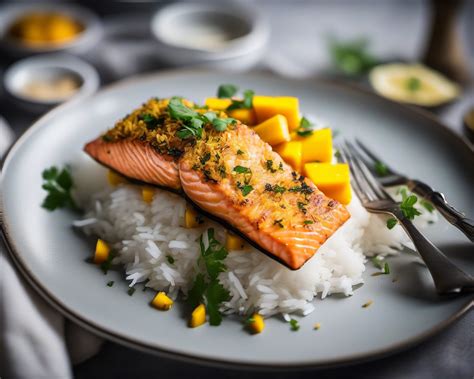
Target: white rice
145, 236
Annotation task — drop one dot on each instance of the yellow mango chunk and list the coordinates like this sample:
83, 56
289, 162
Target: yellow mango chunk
162, 302
102, 251
291, 152
198, 317
317, 147
274, 130
234, 242
147, 194
267, 107
332, 179
246, 116
115, 179
256, 323
217, 104
191, 218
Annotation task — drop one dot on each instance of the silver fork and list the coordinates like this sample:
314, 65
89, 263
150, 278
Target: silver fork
389, 177
447, 277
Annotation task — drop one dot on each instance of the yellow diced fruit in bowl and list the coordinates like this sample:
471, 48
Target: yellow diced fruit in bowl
317, 147
256, 323
291, 153
234, 242
332, 179
266, 107
273, 131
198, 317
115, 179
102, 251
217, 104
191, 218
147, 194
246, 116
162, 302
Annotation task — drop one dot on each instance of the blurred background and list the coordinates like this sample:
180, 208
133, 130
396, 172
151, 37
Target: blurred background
418, 52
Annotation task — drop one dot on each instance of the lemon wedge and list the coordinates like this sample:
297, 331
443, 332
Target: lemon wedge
413, 83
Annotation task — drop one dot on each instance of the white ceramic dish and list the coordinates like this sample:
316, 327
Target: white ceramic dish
84, 42
51, 255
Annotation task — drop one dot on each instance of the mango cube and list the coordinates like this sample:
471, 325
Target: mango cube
274, 130
332, 179
147, 194
102, 251
198, 317
266, 107
256, 323
162, 302
246, 116
115, 179
317, 147
217, 104
291, 152
234, 242
191, 218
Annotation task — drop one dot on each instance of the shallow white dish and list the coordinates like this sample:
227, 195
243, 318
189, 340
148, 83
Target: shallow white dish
51, 255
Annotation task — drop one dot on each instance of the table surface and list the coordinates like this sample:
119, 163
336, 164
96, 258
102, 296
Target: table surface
396, 29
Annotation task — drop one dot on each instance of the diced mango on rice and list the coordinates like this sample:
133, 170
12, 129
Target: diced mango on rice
274, 130
147, 194
256, 323
115, 179
332, 179
191, 218
198, 317
234, 242
266, 107
291, 152
102, 251
162, 302
217, 104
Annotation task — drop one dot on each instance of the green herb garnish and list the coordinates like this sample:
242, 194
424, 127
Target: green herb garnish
306, 128
302, 207
245, 189
242, 169
205, 158
427, 205
391, 222
380, 169
220, 124
207, 285
131, 291
377, 261
226, 91
413, 84
352, 57
275, 188
240, 152
245, 103
407, 205
294, 326
58, 184
269, 166
386, 268
170, 259
110, 284
151, 121
308, 222
279, 223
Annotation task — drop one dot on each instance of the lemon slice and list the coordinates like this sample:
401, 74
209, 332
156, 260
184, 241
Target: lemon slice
413, 83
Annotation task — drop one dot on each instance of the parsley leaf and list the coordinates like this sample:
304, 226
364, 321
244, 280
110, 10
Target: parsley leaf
306, 128
380, 169
245, 189
226, 90
308, 222
241, 169
58, 184
386, 268
294, 325
377, 261
427, 205
245, 103
179, 111
240, 152
215, 295
220, 124
413, 84
391, 222
407, 207
170, 259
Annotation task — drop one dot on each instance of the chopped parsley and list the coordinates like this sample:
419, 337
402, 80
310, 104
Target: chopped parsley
269, 166
407, 205
391, 222
275, 188
205, 158
226, 91
377, 261
427, 205
381, 169
206, 285
245, 103
110, 284
302, 207
413, 84
170, 259
240, 152
242, 170
220, 124
151, 121
308, 222
131, 291
245, 189
306, 128
303, 188
386, 268
294, 325
58, 184
279, 223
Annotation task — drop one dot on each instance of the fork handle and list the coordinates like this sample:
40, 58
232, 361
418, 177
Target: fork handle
447, 277
451, 214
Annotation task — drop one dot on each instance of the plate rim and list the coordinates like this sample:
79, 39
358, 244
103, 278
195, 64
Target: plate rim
117, 337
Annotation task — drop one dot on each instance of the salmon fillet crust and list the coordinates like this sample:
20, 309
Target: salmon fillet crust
232, 175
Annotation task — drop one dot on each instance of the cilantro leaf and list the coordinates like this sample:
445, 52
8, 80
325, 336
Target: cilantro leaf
215, 295
179, 111
58, 184
352, 57
294, 325
241, 169
407, 207
427, 205
196, 293
220, 124
245, 103
381, 169
245, 189
391, 222
226, 90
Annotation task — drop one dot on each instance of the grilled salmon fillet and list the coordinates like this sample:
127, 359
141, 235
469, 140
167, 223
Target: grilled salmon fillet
232, 176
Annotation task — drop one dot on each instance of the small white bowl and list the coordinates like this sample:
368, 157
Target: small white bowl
49, 66
84, 42
220, 35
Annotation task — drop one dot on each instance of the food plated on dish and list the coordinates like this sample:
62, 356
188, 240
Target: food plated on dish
195, 196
